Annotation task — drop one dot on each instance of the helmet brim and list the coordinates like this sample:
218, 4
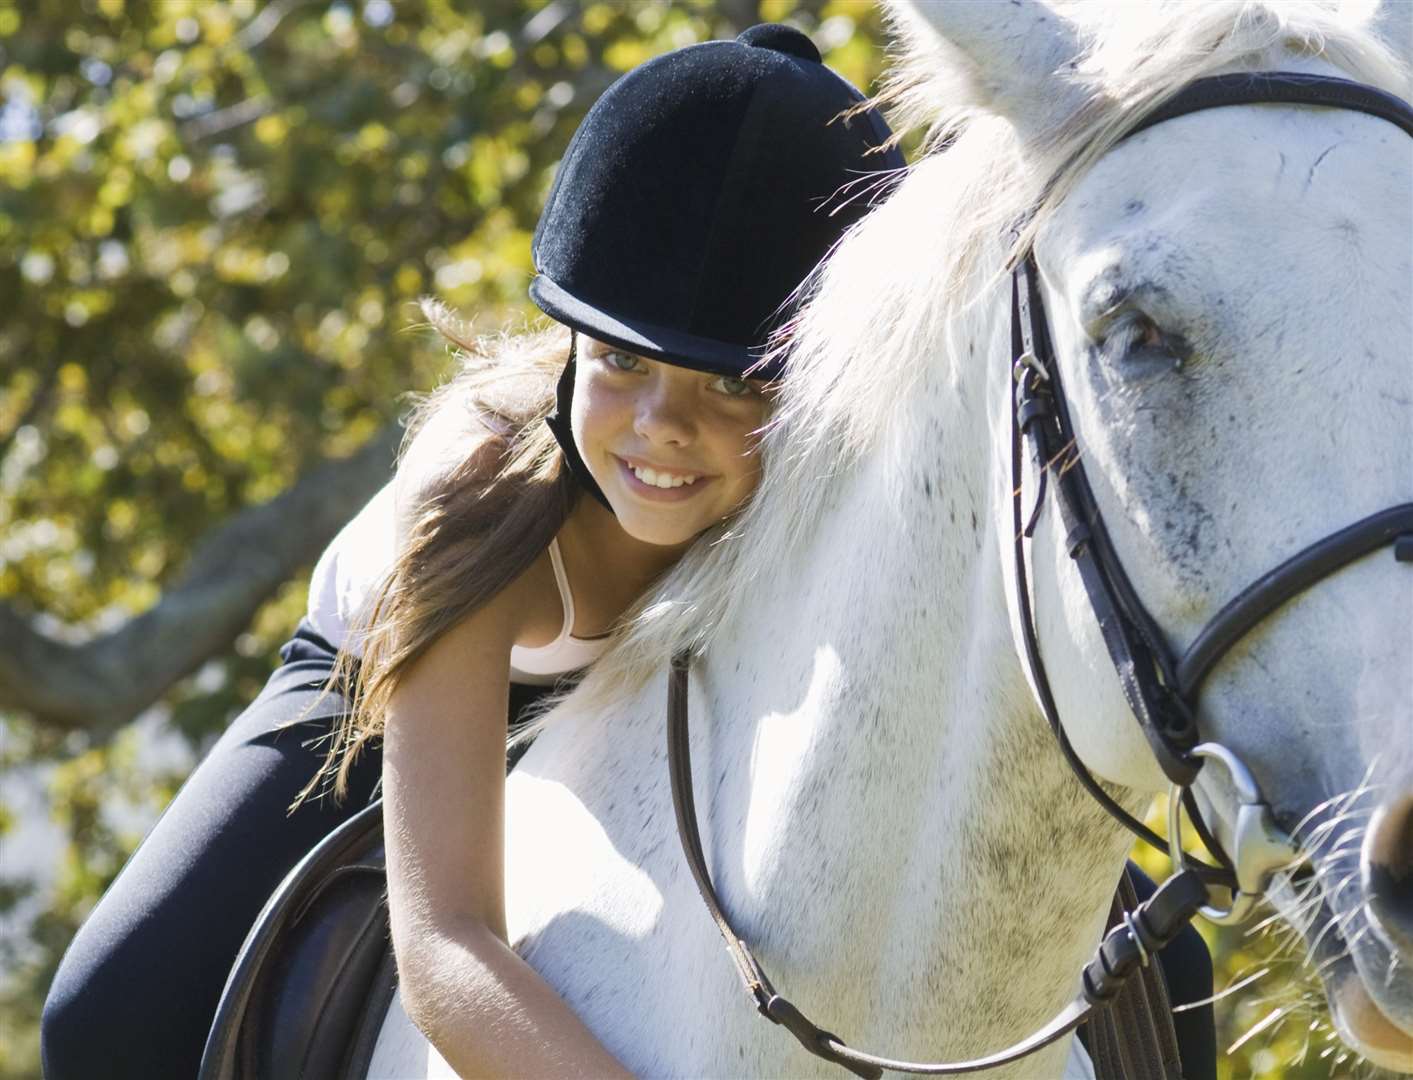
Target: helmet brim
643, 338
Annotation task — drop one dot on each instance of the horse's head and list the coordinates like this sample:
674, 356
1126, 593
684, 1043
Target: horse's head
1229, 298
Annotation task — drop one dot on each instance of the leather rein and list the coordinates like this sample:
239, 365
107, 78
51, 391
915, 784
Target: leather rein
1161, 689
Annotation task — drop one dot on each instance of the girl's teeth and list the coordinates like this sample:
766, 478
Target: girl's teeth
662, 480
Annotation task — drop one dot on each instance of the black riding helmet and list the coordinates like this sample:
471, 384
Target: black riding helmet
697, 194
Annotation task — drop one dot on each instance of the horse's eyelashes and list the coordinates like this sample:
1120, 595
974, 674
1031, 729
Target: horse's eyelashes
1136, 348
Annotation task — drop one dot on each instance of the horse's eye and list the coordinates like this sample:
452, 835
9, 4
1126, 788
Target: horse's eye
1141, 349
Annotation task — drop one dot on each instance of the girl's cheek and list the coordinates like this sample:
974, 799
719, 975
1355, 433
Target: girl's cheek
595, 400
587, 415
746, 487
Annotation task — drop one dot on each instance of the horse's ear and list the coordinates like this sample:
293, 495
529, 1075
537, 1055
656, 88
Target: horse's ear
1016, 59
1392, 23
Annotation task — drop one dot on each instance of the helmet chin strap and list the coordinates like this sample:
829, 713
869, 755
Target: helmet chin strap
558, 422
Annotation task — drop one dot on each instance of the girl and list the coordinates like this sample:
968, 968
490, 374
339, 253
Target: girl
695, 197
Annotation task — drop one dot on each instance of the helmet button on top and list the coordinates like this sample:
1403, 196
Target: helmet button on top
785, 39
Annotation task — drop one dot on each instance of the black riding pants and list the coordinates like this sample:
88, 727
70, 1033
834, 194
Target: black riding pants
136, 991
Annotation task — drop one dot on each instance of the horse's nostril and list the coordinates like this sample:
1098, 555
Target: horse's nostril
1387, 872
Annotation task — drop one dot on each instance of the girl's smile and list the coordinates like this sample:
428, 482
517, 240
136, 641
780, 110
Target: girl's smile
661, 483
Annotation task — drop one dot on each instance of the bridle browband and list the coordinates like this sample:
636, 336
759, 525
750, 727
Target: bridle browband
1161, 688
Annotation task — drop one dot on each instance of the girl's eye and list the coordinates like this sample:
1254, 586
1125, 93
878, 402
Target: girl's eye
622, 361
732, 386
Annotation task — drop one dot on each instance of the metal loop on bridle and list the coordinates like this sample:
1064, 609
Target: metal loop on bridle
1259, 850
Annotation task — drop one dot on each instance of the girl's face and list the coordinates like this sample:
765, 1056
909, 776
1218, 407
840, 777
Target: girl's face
671, 448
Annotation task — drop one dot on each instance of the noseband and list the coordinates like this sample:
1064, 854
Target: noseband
1162, 689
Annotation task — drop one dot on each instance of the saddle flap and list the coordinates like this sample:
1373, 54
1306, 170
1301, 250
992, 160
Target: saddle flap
313, 964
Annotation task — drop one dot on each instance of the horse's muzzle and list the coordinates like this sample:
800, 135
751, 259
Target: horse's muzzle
1374, 1008
1386, 872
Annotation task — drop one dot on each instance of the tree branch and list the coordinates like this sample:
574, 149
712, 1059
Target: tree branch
101, 685
222, 121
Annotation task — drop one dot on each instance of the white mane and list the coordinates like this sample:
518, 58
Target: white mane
895, 284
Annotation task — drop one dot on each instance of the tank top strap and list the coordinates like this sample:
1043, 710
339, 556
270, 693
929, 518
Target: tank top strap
566, 598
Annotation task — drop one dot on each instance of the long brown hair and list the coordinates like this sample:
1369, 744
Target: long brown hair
473, 529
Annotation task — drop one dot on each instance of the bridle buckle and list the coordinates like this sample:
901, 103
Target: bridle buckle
1027, 364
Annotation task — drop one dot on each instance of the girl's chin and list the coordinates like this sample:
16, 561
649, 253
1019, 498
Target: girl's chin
651, 529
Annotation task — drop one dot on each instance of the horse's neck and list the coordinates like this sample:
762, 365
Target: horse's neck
887, 812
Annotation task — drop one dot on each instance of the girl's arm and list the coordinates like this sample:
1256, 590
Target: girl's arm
484, 1009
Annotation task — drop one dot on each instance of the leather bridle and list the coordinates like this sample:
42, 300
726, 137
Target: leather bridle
1161, 688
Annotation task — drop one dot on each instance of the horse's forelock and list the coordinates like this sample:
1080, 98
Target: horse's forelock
1136, 52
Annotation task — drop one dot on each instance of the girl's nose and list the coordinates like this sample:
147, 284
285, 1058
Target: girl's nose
664, 415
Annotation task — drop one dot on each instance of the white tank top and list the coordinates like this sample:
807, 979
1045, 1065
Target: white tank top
351, 568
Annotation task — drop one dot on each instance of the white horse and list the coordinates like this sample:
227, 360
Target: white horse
884, 810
